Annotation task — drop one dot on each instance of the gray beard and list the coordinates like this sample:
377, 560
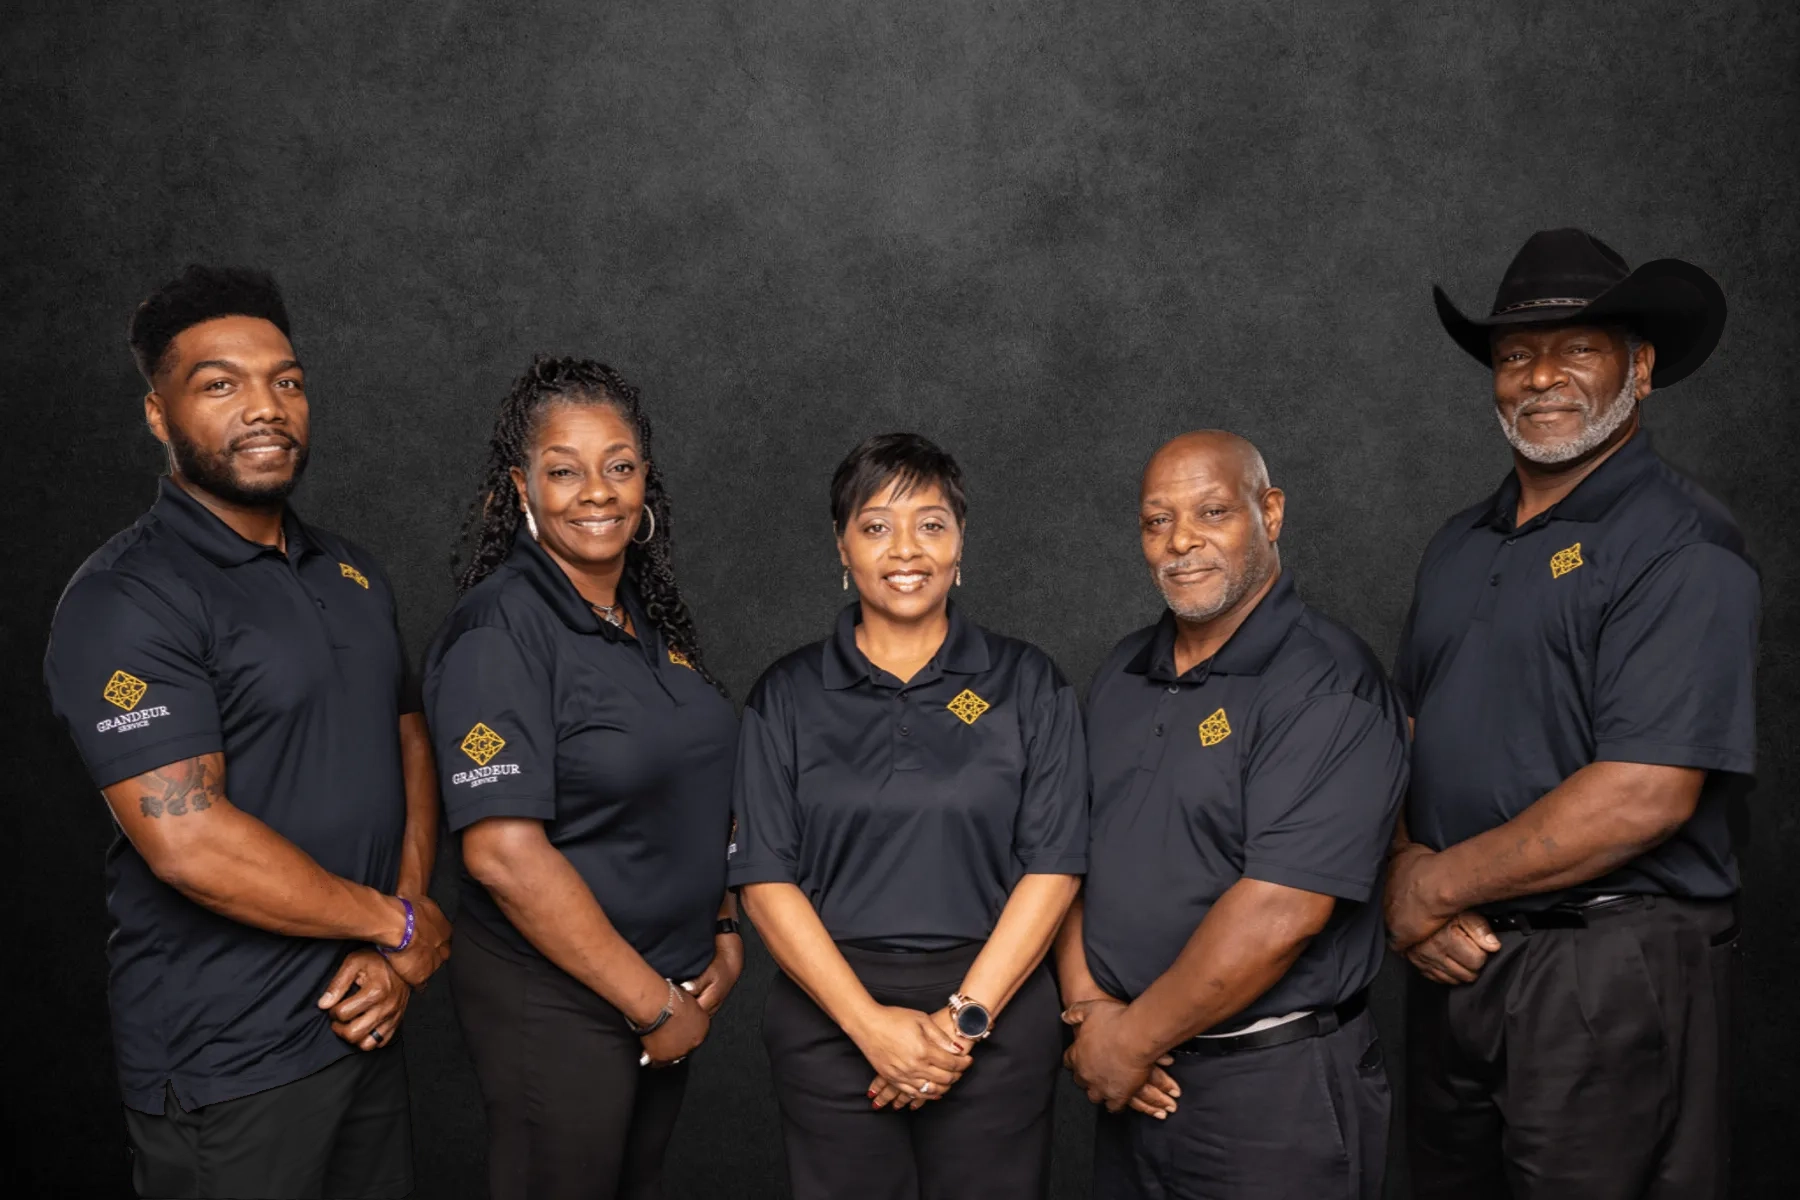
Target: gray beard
1594, 429
1257, 569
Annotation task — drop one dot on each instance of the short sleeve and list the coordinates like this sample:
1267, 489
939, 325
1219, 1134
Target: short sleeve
127, 673
765, 803
1051, 837
493, 729
1321, 794
1675, 675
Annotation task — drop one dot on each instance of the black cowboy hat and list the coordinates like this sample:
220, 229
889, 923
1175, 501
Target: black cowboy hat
1564, 275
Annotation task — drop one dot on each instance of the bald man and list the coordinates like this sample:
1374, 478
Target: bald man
1248, 758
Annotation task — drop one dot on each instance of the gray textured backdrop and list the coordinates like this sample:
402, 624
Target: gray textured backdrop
1049, 235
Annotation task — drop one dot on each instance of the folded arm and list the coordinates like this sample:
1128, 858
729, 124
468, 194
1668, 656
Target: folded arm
196, 841
1594, 822
904, 1046
1241, 949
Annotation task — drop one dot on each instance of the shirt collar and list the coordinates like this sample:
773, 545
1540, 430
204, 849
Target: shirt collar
202, 529
553, 584
1246, 652
1592, 498
964, 652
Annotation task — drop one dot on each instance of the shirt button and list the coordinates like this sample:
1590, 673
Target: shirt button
905, 731
1511, 540
318, 602
1159, 731
1174, 689
1493, 581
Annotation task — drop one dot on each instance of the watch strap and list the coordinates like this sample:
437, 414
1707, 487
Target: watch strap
726, 925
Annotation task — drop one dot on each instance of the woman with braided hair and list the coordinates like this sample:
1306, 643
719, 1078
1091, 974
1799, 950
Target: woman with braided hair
585, 755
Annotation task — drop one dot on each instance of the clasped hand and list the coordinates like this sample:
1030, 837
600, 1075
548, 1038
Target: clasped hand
430, 945
1108, 1070
366, 999
909, 1049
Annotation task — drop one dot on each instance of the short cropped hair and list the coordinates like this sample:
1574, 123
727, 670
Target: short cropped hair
905, 460
200, 294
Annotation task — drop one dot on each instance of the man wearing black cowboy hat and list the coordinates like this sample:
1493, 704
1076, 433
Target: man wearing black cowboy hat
1578, 666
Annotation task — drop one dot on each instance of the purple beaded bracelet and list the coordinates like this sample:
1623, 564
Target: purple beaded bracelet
407, 939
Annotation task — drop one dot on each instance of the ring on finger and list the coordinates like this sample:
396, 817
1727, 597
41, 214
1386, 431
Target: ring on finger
376, 1035
925, 1088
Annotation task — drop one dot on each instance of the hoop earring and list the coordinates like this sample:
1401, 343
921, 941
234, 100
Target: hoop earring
530, 521
846, 579
651, 513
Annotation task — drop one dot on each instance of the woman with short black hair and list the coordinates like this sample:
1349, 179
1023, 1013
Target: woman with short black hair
911, 800
586, 758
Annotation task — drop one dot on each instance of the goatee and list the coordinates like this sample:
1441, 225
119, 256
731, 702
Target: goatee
215, 473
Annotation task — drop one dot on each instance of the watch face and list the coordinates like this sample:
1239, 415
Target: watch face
972, 1021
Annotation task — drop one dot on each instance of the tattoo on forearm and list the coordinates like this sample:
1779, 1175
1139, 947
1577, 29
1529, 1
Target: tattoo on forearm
182, 787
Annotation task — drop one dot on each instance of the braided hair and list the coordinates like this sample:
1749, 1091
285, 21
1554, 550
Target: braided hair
494, 517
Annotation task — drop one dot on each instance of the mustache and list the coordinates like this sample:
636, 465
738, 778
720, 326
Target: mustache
262, 435
1558, 399
1186, 564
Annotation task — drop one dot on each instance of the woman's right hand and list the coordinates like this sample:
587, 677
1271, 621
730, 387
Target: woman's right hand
906, 1048
685, 1029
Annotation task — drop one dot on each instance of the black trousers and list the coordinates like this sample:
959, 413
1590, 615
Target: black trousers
1586, 1063
342, 1133
1307, 1120
988, 1137
570, 1114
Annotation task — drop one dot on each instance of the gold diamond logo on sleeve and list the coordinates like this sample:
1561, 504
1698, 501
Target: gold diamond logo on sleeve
124, 691
355, 576
1214, 729
968, 706
679, 659
1564, 561
482, 743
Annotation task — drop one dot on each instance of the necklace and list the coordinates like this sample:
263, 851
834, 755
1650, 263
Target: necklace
609, 613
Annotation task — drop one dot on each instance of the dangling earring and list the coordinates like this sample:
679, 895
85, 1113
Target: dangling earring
846, 579
958, 574
530, 521
651, 513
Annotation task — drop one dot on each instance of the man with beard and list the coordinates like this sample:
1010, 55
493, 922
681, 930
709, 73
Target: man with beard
1578, 664
1247, 758
235, 682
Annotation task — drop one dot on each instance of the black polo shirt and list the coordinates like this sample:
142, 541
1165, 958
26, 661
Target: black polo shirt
1618, 626
540, 709
908, 811
1281, 758
179, 638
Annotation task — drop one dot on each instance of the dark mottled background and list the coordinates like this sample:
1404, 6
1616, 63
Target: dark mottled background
1048, 234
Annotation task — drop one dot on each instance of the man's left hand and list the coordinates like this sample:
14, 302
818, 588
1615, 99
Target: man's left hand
367, 998
712, 985
1412, 915
1104, 1063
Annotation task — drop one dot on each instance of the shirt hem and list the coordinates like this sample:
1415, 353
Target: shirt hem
498, 806
218, 1091
1310, 881
1665, 754
756, 873
149, 756
1069, 864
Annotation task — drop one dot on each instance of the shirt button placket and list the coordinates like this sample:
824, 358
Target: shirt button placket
906, 756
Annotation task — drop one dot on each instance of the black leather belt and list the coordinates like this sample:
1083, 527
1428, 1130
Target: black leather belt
1313, 1024
1575, 915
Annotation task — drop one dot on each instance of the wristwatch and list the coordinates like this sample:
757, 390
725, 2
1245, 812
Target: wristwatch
725, 925
971, 1018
